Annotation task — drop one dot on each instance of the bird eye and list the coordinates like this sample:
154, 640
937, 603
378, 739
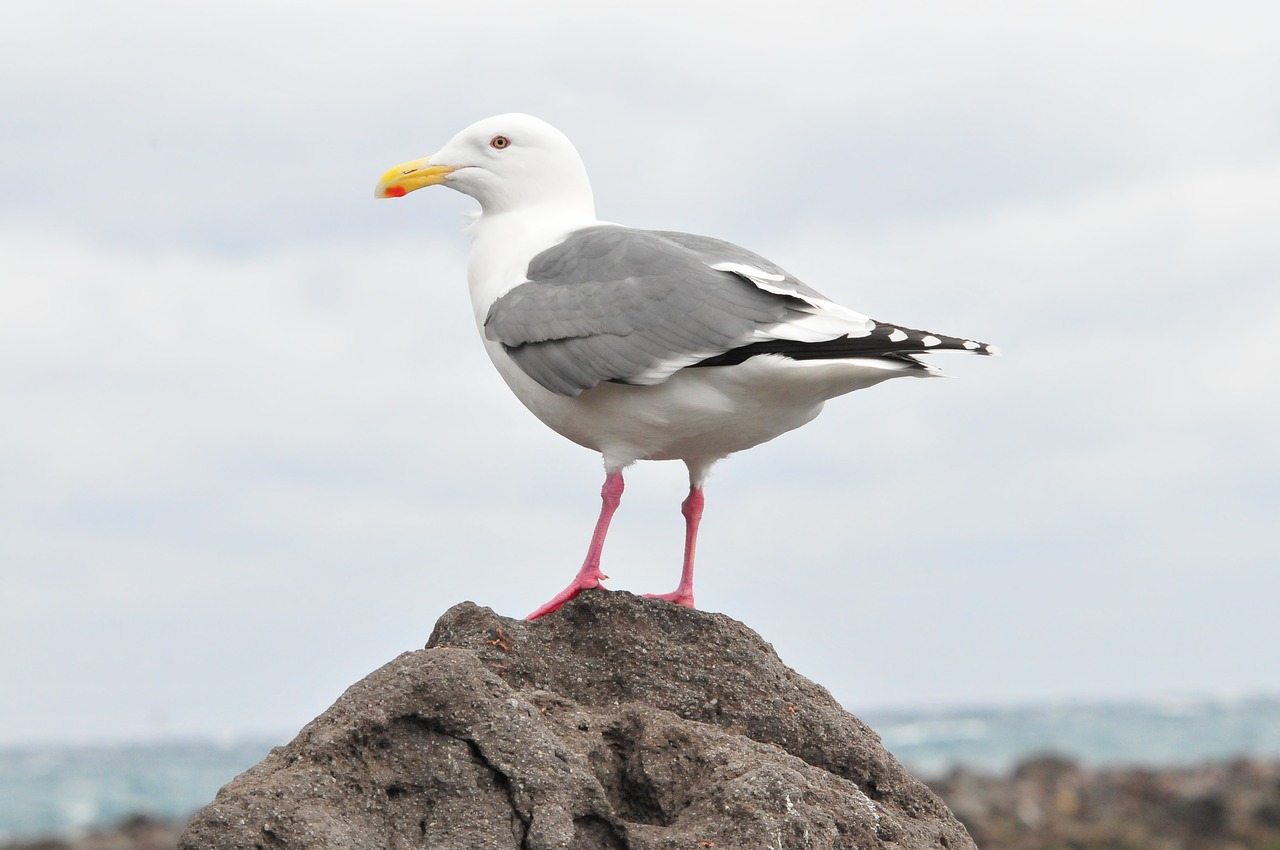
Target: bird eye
499, 142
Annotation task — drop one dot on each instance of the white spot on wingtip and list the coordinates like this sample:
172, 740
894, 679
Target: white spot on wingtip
898, 335
930, 341
993, 351
971, 345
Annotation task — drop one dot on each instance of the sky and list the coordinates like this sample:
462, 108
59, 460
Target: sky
251, 447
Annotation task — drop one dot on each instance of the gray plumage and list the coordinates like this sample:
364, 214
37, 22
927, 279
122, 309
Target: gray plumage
620, 304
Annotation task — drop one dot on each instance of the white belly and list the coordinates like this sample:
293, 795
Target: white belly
697, 415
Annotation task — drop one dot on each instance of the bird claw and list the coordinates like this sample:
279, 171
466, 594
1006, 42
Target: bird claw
579, 584
679, 597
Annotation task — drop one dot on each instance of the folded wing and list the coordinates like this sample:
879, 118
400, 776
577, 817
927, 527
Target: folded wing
635, 306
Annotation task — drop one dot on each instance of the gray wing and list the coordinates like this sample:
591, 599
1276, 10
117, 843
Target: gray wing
635, 306
616, 304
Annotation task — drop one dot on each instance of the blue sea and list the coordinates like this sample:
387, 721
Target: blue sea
63, 791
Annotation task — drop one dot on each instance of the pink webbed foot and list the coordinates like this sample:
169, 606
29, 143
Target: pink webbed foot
679, 597
579, 584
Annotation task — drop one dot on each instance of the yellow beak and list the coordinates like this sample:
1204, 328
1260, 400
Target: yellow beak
406, 177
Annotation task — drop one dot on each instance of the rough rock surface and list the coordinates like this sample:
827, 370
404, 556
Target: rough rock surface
1053, 802
617, 722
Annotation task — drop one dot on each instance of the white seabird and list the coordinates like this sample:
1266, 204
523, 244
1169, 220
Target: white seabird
643, 344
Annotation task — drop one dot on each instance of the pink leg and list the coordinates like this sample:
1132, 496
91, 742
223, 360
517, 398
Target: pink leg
692, 510
589, 576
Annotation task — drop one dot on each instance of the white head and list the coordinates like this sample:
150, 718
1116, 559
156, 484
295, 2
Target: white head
508, 162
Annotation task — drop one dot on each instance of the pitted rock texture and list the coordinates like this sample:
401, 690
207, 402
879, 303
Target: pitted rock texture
616, 722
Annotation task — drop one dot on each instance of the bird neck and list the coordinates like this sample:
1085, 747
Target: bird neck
502, 244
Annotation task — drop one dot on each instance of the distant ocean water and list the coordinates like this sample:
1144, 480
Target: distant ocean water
67, 790
1163, 733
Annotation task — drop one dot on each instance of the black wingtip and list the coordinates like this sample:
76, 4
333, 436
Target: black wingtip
900, 340
891, 342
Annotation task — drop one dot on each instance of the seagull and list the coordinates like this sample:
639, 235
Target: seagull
643, 344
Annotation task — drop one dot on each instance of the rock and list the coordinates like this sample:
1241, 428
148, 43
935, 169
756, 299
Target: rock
617, 722
137, 832
1052, 802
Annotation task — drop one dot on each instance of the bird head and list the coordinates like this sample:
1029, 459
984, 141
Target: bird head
506, 162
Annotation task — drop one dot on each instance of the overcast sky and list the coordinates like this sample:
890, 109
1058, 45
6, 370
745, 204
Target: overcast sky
251, 447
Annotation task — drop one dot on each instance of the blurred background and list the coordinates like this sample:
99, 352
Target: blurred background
251, 447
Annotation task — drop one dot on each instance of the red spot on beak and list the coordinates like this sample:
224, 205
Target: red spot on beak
393, 192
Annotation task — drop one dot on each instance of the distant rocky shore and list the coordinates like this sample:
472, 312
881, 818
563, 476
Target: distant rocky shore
134, 833
1044, 802
1053, 802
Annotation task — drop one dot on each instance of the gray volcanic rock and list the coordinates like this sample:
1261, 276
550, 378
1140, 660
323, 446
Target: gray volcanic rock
617, 722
